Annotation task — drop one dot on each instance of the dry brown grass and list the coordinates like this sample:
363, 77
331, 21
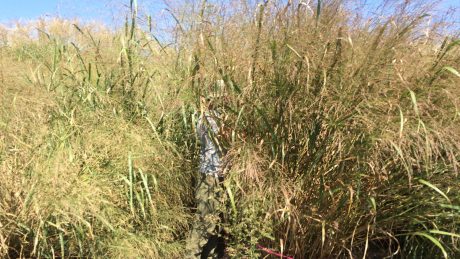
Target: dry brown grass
341, 133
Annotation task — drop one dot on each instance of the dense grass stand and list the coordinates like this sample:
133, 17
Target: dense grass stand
341, 131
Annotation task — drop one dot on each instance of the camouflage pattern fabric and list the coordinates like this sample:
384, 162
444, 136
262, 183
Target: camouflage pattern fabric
203, 241
207, 128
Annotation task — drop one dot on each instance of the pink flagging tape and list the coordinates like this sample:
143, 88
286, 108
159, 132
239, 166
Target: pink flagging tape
269, 251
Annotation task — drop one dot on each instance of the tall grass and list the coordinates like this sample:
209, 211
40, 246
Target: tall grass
340, 132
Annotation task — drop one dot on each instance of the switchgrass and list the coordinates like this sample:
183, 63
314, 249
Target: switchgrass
84, 174
340, 132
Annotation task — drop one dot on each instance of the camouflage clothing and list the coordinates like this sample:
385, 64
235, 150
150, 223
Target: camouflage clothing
210, 162
204, 240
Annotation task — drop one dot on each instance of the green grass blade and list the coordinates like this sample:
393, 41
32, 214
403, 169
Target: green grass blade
451, 70
131, 183
434, 188
232, 199
445, 233
434, 241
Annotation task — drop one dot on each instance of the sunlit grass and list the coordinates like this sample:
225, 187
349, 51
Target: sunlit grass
341, 133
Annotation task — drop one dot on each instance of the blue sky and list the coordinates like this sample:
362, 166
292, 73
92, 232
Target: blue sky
86, 10
32, 9
99, 10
